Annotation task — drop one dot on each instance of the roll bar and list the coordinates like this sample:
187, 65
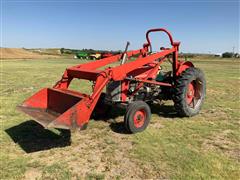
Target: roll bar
160, 30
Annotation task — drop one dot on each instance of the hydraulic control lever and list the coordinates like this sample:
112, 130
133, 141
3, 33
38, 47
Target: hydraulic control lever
124, 57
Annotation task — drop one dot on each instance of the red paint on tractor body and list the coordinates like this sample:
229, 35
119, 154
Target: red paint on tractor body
62, 108
183, 66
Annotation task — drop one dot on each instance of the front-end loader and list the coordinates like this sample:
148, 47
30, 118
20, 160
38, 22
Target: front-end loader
132, 85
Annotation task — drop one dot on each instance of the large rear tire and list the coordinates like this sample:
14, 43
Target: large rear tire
189, 92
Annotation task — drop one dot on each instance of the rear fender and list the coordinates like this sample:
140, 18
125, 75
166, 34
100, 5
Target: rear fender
183, 66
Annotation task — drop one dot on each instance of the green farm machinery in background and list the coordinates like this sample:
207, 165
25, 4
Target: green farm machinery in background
85, 55
88, 54
82, 55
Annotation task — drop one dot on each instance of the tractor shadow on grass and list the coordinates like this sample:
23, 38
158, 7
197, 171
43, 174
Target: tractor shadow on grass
111, 117
165, 111
32, 137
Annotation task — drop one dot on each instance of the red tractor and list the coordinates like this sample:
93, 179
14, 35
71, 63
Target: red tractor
132, 85
106, 55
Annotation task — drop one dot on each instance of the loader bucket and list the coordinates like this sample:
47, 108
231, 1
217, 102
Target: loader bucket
49, 105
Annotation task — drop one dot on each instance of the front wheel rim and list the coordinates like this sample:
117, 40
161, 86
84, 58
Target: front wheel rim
139, 118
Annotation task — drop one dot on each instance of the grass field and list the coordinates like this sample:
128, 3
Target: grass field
202, 147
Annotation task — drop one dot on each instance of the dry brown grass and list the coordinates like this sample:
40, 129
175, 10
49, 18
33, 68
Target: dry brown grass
19, 53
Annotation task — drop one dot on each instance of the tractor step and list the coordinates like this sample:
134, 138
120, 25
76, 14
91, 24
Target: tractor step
47, 105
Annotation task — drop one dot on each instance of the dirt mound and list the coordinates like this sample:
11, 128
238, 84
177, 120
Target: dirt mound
18, 53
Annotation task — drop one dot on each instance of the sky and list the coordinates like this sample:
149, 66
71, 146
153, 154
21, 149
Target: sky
201, 26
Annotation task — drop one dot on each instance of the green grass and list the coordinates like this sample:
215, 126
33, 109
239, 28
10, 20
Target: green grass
56, 171
202, 147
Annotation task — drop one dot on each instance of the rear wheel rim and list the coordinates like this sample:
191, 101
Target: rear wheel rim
190, 93
194, 93
139, 118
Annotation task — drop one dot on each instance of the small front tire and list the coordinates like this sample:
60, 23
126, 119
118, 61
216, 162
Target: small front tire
137, 117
